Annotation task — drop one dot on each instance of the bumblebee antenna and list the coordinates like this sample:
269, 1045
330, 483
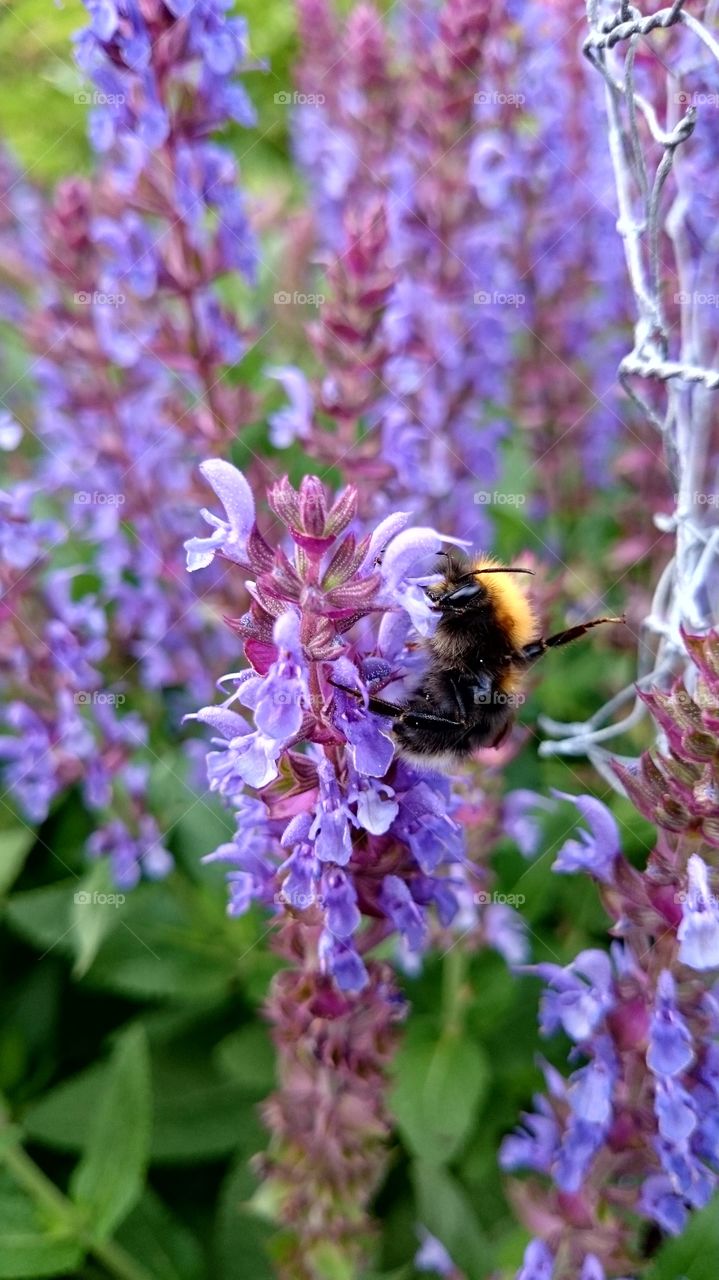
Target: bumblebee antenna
503, 570
468, 577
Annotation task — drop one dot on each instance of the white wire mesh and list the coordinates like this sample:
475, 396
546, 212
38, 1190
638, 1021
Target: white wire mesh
672, 372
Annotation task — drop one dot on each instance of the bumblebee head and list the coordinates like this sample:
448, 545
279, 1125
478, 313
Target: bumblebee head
462, 590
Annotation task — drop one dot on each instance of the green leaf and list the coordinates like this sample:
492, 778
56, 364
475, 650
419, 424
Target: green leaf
329, 1261
195, 1118
247, 1058
203, 1124
158, 1240
29, 1245
62, 1116
693, 1255
15, 845
26, 1253
444, 1208
401, 1273
437, 1091
94, 911
109, 1179
238, 1232
157, 945
42, 916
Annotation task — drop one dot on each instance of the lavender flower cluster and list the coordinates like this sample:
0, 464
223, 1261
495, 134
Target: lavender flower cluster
452, 202
633, 1133
342, 834
113, 283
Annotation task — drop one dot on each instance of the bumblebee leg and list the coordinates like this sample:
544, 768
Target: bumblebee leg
532, 651
413, 718
378, 706
418, 718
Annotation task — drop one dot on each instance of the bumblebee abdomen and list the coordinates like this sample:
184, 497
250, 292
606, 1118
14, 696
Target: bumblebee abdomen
450, 716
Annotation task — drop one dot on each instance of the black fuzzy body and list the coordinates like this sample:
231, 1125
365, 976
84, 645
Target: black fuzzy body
466, 698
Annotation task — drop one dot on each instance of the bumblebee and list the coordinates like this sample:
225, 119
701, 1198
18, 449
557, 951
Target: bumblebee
485, 642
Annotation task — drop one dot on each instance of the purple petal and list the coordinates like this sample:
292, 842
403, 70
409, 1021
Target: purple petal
698, 932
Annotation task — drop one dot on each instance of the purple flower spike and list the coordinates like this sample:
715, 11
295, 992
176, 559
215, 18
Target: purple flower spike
596, 850
538, 1262
660, 1202
398, 903
350, 806
230, 535
578, 996
340, 903
294, 421
432, 1255
698, 932
520, 819
670, 1041
284, 692
592, 1269
342, 961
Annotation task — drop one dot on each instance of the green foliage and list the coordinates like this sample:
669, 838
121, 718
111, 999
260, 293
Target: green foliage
31, 1242
108, 1180
439, 1085
694, 1255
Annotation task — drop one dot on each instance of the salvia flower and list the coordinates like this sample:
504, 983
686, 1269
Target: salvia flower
114, 281
631, 1135
354, 841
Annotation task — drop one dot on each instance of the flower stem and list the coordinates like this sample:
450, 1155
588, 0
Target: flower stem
31, 1178
454, 991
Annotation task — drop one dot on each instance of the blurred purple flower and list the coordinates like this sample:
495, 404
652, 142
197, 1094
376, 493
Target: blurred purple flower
596, 850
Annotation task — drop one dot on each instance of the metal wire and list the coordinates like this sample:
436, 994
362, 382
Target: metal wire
674, 391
